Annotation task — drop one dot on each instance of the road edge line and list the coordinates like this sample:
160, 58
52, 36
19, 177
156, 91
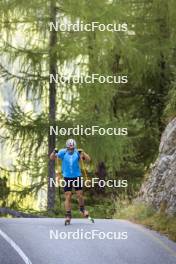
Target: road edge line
148, 233
15, 247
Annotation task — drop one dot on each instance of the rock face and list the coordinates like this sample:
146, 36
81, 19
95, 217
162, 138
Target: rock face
160, 188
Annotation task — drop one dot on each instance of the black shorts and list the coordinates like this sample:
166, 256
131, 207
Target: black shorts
75, 183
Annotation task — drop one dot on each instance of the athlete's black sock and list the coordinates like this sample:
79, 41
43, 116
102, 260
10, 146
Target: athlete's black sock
82, 208
68, 213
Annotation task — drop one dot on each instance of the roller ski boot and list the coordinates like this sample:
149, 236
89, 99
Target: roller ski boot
86, 214
68, 218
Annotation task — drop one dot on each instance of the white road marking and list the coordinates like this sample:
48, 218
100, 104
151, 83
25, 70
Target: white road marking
16, 247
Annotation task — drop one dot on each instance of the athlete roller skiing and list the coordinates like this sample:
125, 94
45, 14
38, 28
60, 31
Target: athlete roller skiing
71, 171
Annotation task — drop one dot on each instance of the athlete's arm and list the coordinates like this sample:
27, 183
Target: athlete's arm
53, 155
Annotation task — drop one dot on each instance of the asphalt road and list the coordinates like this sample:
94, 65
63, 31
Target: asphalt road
48, 241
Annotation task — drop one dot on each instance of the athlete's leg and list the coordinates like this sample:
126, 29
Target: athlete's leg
68, 196
80, 198
79, 194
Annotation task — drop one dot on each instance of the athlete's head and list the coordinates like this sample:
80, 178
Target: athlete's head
70, 144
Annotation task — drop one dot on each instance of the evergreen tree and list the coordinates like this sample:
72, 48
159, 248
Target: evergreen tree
30, 53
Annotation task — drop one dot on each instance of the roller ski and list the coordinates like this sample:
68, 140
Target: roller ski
67, 221
68, 218
85, 214
91, 219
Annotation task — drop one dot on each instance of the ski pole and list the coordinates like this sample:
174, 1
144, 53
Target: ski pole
57, 161
84, 169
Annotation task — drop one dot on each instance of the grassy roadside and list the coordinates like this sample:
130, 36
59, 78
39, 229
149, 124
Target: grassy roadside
147, 216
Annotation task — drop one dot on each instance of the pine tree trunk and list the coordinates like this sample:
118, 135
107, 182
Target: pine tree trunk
52, 105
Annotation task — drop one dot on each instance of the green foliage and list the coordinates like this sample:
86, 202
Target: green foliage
170, 109
5, 190
143, 214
